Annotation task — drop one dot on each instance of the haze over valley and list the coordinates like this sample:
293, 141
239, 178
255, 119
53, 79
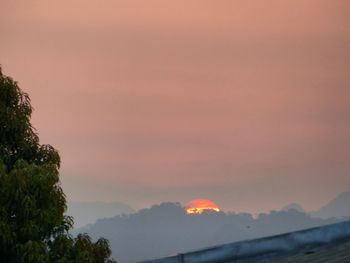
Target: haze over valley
166, 229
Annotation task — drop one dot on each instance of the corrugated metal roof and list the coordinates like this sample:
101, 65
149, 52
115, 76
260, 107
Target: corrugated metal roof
338, 253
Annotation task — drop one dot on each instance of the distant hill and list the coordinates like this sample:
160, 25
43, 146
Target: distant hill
166, 229
88, 212
338, 207
294, 206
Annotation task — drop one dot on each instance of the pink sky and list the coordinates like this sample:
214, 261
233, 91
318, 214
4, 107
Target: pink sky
242, 102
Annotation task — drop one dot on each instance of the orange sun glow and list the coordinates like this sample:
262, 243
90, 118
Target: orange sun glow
198, 206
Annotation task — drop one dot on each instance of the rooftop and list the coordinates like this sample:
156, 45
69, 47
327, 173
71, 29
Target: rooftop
338, 253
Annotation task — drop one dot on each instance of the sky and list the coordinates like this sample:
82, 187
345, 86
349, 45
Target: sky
245, 103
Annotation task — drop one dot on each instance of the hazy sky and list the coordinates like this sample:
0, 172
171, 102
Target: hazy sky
243, 102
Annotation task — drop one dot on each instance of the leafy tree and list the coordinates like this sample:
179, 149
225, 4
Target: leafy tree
18, 139
33, 227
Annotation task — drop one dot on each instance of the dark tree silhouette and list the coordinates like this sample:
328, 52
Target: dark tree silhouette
33, 227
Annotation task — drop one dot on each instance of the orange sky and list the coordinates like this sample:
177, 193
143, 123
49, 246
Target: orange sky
242, 102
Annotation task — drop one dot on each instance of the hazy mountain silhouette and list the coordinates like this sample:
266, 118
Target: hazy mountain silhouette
166, 229
338, 207
294, 206
88, 212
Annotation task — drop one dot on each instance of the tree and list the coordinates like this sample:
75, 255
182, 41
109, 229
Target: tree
33, 227
18, 139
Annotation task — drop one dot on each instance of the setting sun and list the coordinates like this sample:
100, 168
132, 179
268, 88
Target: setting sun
198, 206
